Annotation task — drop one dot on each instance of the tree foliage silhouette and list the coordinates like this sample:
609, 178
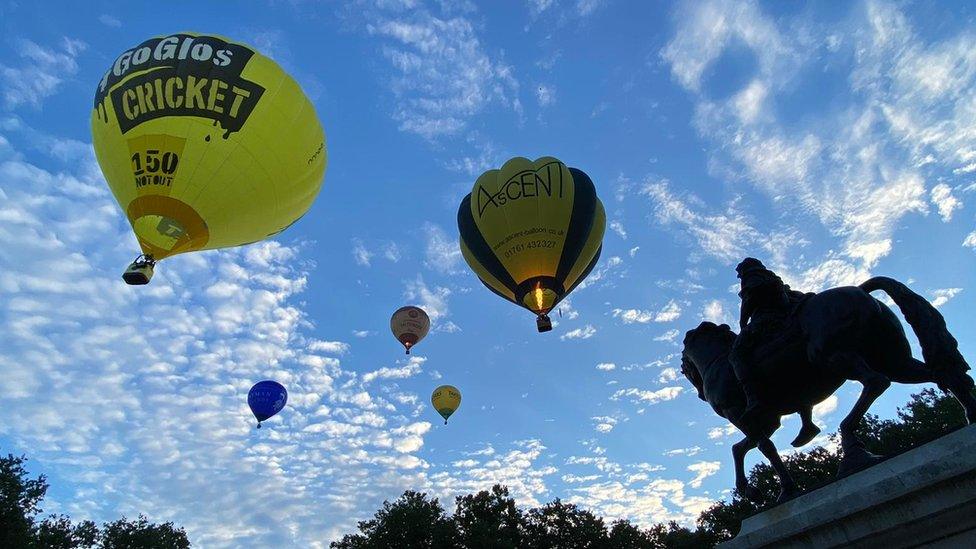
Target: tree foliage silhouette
20, 505
491, 518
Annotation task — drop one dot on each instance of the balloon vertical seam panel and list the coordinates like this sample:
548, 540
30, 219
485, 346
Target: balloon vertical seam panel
545, 245
203, 115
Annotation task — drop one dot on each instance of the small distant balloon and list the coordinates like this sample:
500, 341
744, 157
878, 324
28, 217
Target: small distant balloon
266, 399
409, 325
446, 400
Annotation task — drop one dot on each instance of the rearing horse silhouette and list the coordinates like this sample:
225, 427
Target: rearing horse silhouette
840, 334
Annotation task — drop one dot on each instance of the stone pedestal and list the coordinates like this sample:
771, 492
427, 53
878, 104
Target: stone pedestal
923, 498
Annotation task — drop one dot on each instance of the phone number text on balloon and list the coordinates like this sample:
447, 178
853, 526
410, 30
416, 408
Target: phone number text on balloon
538, 244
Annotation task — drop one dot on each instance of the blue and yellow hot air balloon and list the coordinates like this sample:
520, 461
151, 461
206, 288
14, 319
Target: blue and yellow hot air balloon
532, 231
205, 144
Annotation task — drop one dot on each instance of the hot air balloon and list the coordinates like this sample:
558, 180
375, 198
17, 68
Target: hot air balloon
446, 400
409, 324
532, 231
266, 399
205, 144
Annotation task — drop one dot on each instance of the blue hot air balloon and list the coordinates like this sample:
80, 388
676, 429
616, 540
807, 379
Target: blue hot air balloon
266, 399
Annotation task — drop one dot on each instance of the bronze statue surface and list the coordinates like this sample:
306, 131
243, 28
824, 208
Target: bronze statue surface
796, 349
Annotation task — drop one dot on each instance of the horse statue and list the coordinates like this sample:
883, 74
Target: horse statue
836, 335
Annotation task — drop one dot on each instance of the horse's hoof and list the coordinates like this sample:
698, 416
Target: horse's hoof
806, 434
855, 462
751, 493
786, 495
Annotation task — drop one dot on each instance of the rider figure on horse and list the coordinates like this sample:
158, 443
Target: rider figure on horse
767, 304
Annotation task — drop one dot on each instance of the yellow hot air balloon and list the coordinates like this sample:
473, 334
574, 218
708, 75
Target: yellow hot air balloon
446, 400
409, 325
205, 144
532, 231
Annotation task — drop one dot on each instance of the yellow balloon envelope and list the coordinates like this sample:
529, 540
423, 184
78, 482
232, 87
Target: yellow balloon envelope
532, 231
409, 325
205, 144
446, 400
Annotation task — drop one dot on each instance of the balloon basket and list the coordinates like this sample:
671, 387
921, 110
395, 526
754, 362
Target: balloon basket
259, 425
543, 323
140, 271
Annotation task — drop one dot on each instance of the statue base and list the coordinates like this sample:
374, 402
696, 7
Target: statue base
924, 497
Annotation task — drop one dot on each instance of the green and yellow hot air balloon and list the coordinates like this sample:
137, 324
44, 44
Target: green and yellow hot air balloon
205, 144
446, 400
532, 231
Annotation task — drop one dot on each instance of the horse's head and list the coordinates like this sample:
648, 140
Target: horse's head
702, 346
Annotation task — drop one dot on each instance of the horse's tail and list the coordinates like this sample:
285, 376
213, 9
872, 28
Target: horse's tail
939, 349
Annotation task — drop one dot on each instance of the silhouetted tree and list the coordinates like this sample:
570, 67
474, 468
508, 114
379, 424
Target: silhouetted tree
142, 534
410, 522
20, 500
492, 519
927, 416
489, 520
566, 526
624, 535
57, 532
675, 536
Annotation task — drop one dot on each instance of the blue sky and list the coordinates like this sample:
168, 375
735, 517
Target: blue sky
834, 141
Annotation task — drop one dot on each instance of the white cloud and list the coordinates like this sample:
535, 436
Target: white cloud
941, 195
331, 347
861, 167
109, 21
668, 375
715, 311
43, 72
444, 76
825, 407
970, 240
720, 432
692, 451
585, 332
724, 236
669, 335
545, 95
618, 227
941, 297
410, 369
518, 468
360, 254
668, 313
587, 7
649, 397
703, 470
363, 256
433, 300
443, 254
606, 366
169, 366
627, 491
536, 7
604, 424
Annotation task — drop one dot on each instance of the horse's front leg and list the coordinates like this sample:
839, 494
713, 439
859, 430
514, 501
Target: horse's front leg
739, 451
852, 366
788, 486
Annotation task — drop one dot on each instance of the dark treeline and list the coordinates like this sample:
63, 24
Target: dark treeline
22, 528
492, 519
